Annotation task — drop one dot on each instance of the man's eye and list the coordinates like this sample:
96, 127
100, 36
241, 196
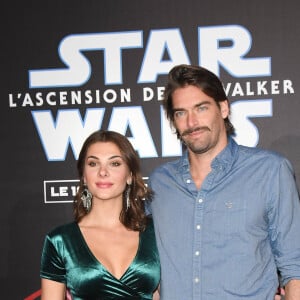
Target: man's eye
179, 114
202, 107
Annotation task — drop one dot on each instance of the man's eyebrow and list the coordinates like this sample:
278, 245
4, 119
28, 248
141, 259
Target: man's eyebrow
196, 105
203, 102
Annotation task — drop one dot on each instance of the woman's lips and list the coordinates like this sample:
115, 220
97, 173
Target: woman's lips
104, 185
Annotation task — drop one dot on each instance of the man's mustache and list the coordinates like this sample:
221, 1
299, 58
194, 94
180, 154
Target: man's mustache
191, 130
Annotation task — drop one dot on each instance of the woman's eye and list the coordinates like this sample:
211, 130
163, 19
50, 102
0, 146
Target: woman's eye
92, 164
115, 163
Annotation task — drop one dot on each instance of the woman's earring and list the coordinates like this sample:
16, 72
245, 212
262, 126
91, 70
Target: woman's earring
86, 198
127, 196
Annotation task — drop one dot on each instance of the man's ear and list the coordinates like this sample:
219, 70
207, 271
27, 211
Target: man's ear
224, 107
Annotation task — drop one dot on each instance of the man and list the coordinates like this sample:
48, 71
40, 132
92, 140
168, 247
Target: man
227, 217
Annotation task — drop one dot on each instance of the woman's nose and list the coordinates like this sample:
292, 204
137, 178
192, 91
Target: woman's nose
103, 172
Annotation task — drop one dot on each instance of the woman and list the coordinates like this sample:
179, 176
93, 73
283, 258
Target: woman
109, 252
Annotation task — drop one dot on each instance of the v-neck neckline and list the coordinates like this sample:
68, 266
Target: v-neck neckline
95, 259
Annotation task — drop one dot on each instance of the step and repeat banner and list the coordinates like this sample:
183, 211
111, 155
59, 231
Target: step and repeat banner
72, 67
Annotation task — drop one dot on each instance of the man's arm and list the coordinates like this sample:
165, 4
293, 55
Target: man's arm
292, 290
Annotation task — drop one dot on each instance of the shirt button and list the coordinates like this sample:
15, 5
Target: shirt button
196, 280
200, 200
188, 181
198, 227
197, 253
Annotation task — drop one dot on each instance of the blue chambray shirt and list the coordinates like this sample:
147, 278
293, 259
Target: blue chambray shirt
227, 239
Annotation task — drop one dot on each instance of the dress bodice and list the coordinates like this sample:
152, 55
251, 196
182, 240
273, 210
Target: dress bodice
67, 258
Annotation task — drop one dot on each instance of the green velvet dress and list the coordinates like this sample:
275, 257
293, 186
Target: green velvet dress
66, 258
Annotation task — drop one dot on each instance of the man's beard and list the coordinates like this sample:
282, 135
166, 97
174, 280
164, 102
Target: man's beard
194, 145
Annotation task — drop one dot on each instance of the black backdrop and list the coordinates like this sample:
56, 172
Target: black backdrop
42, 130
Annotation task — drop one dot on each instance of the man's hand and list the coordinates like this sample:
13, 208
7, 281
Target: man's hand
280, 294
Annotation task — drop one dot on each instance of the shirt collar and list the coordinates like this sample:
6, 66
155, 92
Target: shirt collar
225, 158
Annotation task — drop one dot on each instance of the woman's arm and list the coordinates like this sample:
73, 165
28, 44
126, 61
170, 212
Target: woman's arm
156, 295
53, 290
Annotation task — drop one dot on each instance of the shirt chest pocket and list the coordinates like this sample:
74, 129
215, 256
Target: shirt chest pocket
226, 218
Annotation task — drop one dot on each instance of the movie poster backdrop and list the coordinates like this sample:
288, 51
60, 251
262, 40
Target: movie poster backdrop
72, 67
